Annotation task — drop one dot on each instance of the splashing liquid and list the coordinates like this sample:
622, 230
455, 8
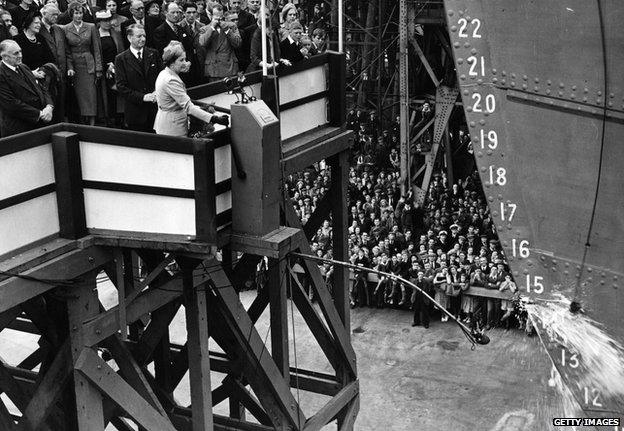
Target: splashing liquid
588, 364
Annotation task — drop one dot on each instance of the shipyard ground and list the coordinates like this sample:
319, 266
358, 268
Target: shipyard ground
412, 379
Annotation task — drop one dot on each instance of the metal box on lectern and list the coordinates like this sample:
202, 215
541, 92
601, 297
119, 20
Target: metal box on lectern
255, 135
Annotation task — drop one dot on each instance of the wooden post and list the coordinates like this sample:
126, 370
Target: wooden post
278, 305
195, 303
338, 195
337, 89
205, 192
83, 304
69, 192
269, 93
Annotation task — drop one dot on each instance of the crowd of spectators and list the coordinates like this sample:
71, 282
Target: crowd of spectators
71, 46
444, 246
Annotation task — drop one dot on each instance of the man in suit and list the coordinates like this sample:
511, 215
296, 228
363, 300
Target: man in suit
290, 47
24, 105
136, 70
138, 16
172, 29
246, 22
54, 37
220, 38
193, 27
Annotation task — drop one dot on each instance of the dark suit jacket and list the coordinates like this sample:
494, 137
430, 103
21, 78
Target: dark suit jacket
291, 51
163, 34
21, 100
135, 80
150, 25
55, 39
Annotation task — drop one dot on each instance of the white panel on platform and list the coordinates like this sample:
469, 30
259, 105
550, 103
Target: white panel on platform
303, 118
224, 201
28, 222
26, 170
116, 164
224, 100
223, 163
302, 84
139, 212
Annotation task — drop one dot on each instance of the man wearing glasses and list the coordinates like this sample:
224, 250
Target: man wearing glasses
149, 23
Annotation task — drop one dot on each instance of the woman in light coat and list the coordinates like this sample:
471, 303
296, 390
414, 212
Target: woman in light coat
84, 61
174, 104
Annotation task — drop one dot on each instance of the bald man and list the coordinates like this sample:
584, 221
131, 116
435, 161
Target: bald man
138, 15
24, 104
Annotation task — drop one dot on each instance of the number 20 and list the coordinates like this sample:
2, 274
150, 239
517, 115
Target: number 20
463, 23
490, 103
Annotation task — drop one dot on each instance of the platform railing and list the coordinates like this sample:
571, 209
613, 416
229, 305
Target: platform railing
305, 96
69, 181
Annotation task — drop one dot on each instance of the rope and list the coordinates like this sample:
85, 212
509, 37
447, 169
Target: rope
466, 331
602, 143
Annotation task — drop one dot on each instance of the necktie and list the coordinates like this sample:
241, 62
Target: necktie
139, 56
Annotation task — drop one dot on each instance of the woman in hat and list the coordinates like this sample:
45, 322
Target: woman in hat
289, 17
174, 104
84, 61
111, 105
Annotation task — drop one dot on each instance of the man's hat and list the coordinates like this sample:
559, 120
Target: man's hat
442, 232
454, 226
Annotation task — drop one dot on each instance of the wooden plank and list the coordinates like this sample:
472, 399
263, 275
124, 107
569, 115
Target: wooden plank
36, 254
320, 332
248, 400
15, 291
340, 220
6, 421
9, 316
179, 367
198, 336
262, 372
82, 305
157, 332
278, 306
32, 360
323, 150
326, 302
205, 192
98, 373
258, 306
132, 373
182, 421
48, 391
69, 191
350, 415
120, 283
152, 241
333, 407
310, 138
337, 88
107, 323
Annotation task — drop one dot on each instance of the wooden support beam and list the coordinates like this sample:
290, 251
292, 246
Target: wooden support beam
32, 360
310, 155
100, 375
9, 316
330, 410
120, 283
107, 323
6, 421
181, 418
48, 391
258, 305
340, 219
15, 291
81, 306
69, 191
350, 414
321, 213
248, 400
196, 306
259, 368
131, 372
315, 323
278, 305
326, 302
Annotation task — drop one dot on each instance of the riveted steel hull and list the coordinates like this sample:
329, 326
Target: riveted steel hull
532, 72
